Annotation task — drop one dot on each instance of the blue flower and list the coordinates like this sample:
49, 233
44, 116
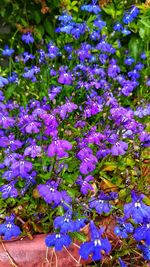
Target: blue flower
58, 240
65, 17
99, 23
91, 8
125, 31
96, 245
101, 204
9, 229
118, 27
27, 38
122, 264
64, 223
129, 61
7, 51
3, 81
130, 15
143, 233
137, 209
146, 251
123, 228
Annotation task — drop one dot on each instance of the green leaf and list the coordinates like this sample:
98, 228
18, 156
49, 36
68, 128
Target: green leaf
49, 27
79, 236
37, 16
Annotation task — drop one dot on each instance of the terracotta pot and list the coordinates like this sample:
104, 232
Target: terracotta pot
33, 253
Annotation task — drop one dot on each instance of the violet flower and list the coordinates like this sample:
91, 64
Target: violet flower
58, 148
49, 192
84, 184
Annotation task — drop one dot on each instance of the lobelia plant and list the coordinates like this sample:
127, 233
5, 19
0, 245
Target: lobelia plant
73, 156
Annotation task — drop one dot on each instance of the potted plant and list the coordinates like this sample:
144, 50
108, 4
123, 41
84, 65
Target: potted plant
74, 138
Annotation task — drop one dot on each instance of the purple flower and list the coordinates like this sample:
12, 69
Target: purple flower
10, 142
8, 175
11, 158
7, 51
21, 167
27, 56
9, 229
9, 190
65, 78
119, 148
32, 127
84, 153
27, 38
137, 209
33, 150
88, 164
49, 192
6, 121
58, 240
58, 148
84, 184
96, 245
52, 50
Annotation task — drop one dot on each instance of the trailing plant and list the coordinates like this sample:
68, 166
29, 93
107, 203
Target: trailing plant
74, 138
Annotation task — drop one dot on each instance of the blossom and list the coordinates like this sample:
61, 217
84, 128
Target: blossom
3, 81
32, 127
10, 142
146, 251
122, 264
6, 121
9, 190
49, 192
21, 167
33, 151
130, 15
58, 240
88, 164
123, 228
7, 51
137, 209
96, 245
84, 184
118, 27
65, 78
64, 223
9, 229
58, 148
142, 232
101, 203
91, 8
119, 148
27, 38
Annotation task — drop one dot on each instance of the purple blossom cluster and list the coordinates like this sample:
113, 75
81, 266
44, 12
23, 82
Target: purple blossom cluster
62, 144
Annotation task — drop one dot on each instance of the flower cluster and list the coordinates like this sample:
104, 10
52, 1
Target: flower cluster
76, 147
